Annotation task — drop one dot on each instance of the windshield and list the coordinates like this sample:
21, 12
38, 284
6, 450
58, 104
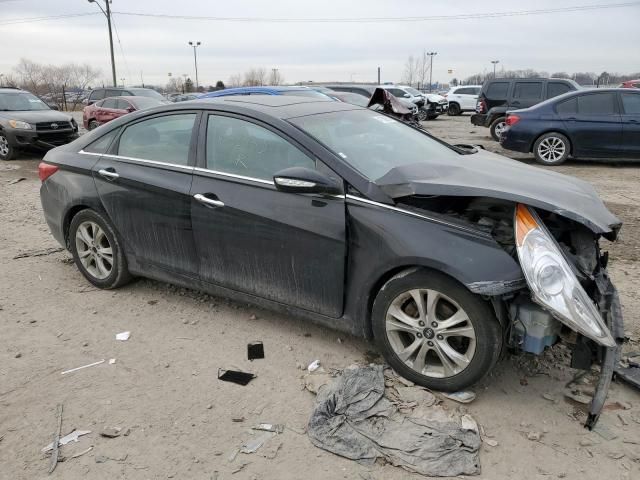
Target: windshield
143, 103
371, 142
144, 92
21, 102
413, 91
303, 93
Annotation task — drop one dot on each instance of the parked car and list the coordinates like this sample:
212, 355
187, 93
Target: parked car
432, 105
602, 123
630, 84
111, 108
185, 97
462, 99
269, 90
500, 95
26, 121
367, 91
102, 93
333, 213
348, 97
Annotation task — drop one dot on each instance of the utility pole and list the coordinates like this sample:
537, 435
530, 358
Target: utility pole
195, 60
108, 15
378, 75
431, 55
495, 62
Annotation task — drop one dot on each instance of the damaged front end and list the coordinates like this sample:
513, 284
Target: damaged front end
566, 293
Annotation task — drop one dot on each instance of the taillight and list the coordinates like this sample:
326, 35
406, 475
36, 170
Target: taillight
45, 170
512, 120
481, 106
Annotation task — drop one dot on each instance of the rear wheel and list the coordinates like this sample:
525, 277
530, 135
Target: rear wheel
497, 127
93, 124
551, 149
435, 332
454, 109
7, 152
97, 251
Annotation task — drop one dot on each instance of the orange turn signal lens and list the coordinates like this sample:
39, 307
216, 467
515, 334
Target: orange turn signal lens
524, 223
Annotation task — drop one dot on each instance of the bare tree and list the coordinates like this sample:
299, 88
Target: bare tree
275, 78
423, 67
235, 80
175, 84
255, 77
410, 70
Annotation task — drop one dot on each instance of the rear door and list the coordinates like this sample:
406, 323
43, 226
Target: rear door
630, 124
466, 97
107, 110
250, 237
526, 94
144, 182
593, 123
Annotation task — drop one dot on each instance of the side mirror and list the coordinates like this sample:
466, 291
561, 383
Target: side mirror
54, 107
406, 95
304, 180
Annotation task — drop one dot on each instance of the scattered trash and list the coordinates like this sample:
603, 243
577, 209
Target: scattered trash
234, 376
313, 366
124, 336
534, 436
79, 454
251, 446
270, 427
56, 441
587, 442
152, 302
104, 458
238, 419
352, 418
18, 355
270, 450
80, 368
253, 316
38, 253
13, 182
549, 396
110, 432
239, 469
313, 381
112, 361
71, 437
604, 432
578, 397
255, 350
491, 442
465, 396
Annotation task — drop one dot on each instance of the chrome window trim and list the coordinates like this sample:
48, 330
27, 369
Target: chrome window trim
140, 160
233, 175
418, 215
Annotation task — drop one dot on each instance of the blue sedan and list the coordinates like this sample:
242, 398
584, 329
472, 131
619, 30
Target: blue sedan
602, 123
270, 90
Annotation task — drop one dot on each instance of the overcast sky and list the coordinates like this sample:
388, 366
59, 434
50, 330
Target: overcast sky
592, 40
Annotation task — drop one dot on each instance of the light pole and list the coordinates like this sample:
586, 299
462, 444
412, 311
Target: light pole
195, 59
431, 55
495, 62
108, 15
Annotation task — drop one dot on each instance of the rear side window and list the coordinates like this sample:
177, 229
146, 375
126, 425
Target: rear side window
631, 103
96, 95
597, 104
530, 90
109, 103
555, 88
122, 104
498, 90
568, 107
463, 91
102, 144
161, 139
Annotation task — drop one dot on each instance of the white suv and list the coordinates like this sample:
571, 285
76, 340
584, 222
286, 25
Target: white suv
463, 99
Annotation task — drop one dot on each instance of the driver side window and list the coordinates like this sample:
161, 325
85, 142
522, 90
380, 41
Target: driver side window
243, 148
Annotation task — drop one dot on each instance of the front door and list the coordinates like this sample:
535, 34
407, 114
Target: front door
250, 237
630, 124
144, 184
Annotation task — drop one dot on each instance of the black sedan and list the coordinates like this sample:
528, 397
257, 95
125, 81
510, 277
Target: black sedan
603, 123
346, 217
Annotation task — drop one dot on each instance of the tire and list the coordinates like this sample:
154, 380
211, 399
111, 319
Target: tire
91, 236
432, 117
552, 148
496, 128
421, 115
473, 353
93, 124
454, 110
7, 152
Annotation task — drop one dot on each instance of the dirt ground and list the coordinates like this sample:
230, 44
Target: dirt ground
178, 418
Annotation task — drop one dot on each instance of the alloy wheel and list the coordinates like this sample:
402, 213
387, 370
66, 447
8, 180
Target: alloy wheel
430, 333
500, 128
422, 114
551, 149
94, 250
4, 146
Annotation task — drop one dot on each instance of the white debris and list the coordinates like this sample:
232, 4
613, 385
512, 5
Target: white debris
80, 368
313, 366
464, 396
124, 336
72, 437
112, 361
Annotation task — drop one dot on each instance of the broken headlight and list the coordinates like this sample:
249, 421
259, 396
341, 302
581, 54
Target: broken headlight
552, 281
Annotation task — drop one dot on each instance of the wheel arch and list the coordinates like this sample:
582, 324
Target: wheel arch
72, 212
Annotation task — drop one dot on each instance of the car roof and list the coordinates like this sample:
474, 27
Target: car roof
266, 90
12, 90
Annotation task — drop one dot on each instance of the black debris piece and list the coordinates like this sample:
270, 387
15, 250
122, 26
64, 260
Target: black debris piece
255, 350
234, 376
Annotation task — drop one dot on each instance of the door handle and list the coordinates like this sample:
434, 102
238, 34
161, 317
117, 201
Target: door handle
208, 202
633, 121
109, 175
570, 119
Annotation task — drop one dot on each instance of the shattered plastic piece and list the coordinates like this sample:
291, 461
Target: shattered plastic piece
234, 376
352, 418
491, 442
124, 336
255, 350
71, 437
313, 366
270, 427
578, 397
465, 396
80, 368
251, 446
112, 361
79, 454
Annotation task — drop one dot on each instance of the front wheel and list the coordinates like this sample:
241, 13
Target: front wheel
497, 127
93, 124
551, 149
7, 152
454, 110
422, 114
435, 332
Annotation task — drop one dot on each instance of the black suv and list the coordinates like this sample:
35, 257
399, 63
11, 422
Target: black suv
100, 93
500, 95
26, 121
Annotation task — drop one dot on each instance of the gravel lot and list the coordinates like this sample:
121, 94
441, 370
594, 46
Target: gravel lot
164, 392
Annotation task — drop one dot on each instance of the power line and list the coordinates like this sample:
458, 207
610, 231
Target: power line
126, 64
470, 16
44, 19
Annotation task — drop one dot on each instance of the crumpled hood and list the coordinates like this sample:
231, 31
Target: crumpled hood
37, 116
434, 97
486, 174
